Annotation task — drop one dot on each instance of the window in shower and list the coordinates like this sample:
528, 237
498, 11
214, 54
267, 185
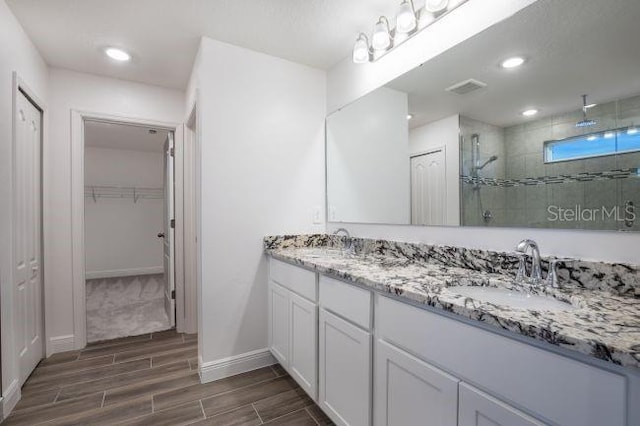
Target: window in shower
593, 145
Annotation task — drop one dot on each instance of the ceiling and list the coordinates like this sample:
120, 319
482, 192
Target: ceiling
99, 134
163, 35
572, 47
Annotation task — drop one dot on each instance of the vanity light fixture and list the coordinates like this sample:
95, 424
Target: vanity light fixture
406, 18
408, 22
361, 53
381, 38
514, 62
117, 54
530, 112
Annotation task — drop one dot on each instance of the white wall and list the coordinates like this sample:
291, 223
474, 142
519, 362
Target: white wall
368, 177
443, 133
77, 91
261, 125
347, 81
17, 53
120, 235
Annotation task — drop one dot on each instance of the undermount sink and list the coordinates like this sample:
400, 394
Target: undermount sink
512, 298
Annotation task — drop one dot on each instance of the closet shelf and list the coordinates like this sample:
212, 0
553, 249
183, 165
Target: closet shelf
134, 192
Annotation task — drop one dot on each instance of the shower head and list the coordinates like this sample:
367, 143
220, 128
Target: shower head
490, 160
585, 122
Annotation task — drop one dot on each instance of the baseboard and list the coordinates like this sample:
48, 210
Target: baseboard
10, 400
116, 273
61, 344
248, 361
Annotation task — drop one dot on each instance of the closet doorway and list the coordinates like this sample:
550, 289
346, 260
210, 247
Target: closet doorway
129, 234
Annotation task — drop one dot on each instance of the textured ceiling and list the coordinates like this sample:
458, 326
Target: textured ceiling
163, 35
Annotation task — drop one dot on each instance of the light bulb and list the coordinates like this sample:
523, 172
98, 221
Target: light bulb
381, 39
361, 50
406, 18
434, 6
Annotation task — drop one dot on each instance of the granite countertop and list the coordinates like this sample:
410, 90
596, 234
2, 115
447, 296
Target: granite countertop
600, 324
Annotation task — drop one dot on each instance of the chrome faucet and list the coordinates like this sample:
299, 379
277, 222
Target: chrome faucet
536, 270
347, 243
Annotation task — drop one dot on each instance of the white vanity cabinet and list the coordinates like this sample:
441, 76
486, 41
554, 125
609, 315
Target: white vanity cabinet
345, 353
476, 408
293, 323
370, 359
408, 391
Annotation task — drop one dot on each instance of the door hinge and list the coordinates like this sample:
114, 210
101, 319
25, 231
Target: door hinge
173, 295
173, 223
172, 152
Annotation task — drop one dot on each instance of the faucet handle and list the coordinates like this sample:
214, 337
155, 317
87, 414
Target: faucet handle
552, 273
522, 269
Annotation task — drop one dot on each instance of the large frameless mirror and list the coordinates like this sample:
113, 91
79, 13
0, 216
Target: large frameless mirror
535, 122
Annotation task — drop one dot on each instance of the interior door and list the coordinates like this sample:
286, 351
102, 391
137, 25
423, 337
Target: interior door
428, 188
169, 249
27, 234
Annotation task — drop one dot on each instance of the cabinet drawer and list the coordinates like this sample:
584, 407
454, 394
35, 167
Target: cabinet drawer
296, 279
552, 387
346, 300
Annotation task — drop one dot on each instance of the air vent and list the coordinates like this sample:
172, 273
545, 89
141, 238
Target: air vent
466, 86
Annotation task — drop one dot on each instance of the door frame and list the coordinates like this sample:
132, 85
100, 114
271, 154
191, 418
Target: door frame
78, 118
9, 368
188, 218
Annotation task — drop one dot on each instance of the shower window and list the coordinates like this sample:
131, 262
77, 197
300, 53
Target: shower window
593, 145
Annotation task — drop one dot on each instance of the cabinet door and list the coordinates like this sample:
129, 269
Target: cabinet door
345, 371
279, 323
303, 325
476, 408
411, 392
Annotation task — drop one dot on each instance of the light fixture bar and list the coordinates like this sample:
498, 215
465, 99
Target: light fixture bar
408, 23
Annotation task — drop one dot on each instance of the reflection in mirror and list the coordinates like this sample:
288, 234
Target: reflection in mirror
464, 140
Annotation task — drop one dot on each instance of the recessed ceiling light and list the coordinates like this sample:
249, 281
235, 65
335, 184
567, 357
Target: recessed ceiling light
530, 112
117, 54
514, 62
409, 116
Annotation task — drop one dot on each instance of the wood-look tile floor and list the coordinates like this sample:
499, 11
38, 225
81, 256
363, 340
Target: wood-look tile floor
153, 380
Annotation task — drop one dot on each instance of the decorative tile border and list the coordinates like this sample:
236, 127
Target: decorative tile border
546, 180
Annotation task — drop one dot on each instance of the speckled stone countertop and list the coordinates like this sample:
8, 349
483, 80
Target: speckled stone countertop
600, 323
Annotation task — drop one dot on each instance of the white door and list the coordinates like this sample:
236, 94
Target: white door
410, 392
345, 371
303, 344
169, 217
27, 234
279, 323
479, 409
428, 189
